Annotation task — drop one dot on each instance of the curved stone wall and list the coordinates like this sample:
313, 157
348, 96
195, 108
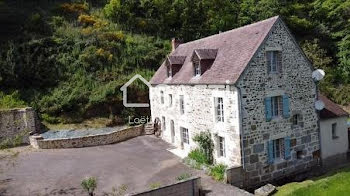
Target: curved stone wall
39, 142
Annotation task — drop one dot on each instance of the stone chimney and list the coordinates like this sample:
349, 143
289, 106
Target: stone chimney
175, 43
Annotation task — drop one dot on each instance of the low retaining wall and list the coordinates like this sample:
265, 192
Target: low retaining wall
238, 177
235, 176
189, 187
18, 123
38, 142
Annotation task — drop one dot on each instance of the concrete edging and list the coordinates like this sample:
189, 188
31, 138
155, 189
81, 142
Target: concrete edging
38, 142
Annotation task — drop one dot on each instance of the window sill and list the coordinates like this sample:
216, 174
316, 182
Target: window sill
335, 137
279, 160
297, 126
274, 73
219, 123
276, 118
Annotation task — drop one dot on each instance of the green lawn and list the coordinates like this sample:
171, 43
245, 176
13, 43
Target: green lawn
334, 183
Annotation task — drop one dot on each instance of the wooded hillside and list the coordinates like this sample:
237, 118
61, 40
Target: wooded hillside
68, 59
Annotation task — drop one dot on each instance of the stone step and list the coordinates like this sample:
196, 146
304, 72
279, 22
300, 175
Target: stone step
149, 129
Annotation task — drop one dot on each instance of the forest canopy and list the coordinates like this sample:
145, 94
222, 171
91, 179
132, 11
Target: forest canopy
68, 59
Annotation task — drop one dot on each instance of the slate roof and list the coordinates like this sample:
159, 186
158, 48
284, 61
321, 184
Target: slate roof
205, 54
234, 48
176, 60
331, 109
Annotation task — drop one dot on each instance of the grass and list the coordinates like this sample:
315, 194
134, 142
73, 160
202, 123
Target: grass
183, 176
155, 185
334, 183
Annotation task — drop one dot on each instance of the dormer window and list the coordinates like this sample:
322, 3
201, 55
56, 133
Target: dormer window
202, 60
197, 70
174, 64
169, 72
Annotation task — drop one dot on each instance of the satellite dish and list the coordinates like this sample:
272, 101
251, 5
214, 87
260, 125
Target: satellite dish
318, 74
319, 105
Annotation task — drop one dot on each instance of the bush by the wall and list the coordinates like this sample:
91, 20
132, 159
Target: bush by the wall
218, 172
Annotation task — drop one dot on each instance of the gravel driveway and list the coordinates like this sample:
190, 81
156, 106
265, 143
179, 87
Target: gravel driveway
136, 164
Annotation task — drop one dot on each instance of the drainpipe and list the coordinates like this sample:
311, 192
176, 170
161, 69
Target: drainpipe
318, 124
241, 125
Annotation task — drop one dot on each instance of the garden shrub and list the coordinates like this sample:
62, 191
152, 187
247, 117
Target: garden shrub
206, 145
198, 156
11, 101
87, 19
113, 36
89, 185
218, 172
74, 7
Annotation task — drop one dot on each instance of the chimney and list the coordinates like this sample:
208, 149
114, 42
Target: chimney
175, 43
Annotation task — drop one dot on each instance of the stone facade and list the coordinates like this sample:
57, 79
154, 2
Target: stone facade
199, 116
18, 123
246, 130
255, 85
189, 187
94, 140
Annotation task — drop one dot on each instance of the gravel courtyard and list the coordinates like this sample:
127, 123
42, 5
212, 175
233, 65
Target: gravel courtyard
137, 164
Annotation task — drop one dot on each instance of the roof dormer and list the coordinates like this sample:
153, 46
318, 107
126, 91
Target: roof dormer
174, 64
202, 60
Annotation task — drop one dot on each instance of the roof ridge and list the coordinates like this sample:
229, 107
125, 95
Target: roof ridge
230, 31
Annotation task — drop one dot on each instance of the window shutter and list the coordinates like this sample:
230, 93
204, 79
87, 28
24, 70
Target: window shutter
270, 152
285, 106
287, 148
268, 111
279, 61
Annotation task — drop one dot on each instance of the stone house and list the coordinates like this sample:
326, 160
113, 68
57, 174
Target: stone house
334, 135
251, 87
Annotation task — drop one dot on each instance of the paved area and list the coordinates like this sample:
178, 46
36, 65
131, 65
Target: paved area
136, 164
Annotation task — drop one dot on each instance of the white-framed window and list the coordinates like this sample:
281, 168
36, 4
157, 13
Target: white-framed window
170, 100
182, 104
163, 123
273, 61
334, 131
297, 120
197, 69
162, 97
278, 148
222, 149
185, 136
219, 109
169, 71
276, 106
